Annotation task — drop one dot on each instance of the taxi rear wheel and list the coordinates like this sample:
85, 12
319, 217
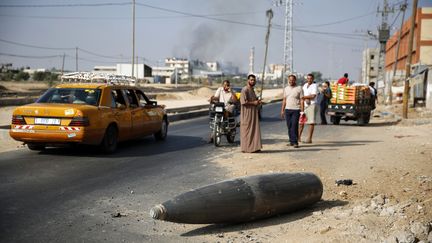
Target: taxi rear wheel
109, 142
162, 133
35, 146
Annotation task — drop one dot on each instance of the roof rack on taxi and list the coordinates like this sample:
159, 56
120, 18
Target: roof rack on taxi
88, 77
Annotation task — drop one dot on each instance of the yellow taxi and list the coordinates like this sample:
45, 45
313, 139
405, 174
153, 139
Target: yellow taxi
89, 109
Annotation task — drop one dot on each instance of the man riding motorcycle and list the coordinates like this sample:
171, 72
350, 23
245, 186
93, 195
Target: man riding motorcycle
226, 96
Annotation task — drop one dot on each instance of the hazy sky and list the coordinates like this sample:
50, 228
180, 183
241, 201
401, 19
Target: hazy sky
329, 35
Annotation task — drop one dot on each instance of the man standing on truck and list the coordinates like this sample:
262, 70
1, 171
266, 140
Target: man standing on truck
344, 80
310, 91
374, 95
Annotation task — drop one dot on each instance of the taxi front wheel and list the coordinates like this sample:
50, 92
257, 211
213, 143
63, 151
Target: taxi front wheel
109, 142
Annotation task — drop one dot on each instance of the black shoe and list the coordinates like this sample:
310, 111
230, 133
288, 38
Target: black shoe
210, 140
296, 146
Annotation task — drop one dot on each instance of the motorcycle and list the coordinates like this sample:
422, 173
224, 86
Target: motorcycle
221, 123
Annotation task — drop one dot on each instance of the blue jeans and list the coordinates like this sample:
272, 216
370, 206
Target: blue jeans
292, 120
323, 108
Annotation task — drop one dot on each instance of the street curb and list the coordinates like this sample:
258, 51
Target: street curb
17, 101
192, 112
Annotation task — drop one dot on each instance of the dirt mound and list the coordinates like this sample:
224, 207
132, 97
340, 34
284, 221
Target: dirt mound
168, 96
203, 92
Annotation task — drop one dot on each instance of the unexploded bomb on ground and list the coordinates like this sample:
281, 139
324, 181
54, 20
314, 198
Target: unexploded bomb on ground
242, 199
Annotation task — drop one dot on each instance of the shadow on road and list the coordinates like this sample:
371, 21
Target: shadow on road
372, 124
142, 147
276, 220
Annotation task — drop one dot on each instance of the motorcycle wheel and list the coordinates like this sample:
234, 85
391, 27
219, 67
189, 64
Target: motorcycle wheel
231, 136
216, 134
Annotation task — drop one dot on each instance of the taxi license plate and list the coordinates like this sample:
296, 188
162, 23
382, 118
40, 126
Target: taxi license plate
47, 121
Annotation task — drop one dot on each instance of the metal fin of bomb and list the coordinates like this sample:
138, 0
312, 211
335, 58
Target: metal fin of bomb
242, 199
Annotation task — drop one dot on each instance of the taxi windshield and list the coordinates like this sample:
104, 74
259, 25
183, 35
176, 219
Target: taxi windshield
71, 96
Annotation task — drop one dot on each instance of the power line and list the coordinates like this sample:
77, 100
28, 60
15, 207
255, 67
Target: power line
199, 15
339, 21
62, 5
99, 55
34, 46
125, 18
26, 56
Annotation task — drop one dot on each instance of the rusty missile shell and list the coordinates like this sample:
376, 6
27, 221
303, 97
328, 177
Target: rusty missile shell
242, 199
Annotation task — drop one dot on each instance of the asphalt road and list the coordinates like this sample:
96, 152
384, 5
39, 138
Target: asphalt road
81, 195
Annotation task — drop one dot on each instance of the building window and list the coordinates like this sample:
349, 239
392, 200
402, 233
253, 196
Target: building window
372, 68
372, 57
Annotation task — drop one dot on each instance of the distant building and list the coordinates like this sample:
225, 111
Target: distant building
182, 65
276, 70
370, 65
165, 75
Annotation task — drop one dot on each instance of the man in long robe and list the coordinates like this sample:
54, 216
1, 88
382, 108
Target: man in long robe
250, 132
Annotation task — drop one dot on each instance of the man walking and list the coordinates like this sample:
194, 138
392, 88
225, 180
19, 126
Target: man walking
250, 132
310, 91
292, 106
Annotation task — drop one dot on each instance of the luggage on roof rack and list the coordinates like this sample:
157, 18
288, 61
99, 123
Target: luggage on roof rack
89, 77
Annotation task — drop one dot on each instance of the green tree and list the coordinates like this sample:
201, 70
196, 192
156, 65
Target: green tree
6, 76
39, 76
21, 76
318, 76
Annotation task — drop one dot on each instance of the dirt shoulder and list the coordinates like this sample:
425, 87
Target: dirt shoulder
391, 198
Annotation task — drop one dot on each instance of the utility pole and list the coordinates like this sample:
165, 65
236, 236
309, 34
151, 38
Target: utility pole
269, 14
133, 37
251, 60
403, 9
62, 70
288, 41
76, 59
383, 36
409, 59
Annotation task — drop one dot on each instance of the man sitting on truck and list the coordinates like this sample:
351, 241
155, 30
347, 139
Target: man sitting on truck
344, 80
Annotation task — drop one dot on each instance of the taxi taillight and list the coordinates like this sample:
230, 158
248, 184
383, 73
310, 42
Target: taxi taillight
79, 122
18, 120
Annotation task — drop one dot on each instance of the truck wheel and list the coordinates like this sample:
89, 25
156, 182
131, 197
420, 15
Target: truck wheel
335, 120
367, 118
363, 119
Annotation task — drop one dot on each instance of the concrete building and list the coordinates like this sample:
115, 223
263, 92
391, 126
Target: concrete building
275, 70
370, 65
182, 65
421, 56
165, 75
422, 48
